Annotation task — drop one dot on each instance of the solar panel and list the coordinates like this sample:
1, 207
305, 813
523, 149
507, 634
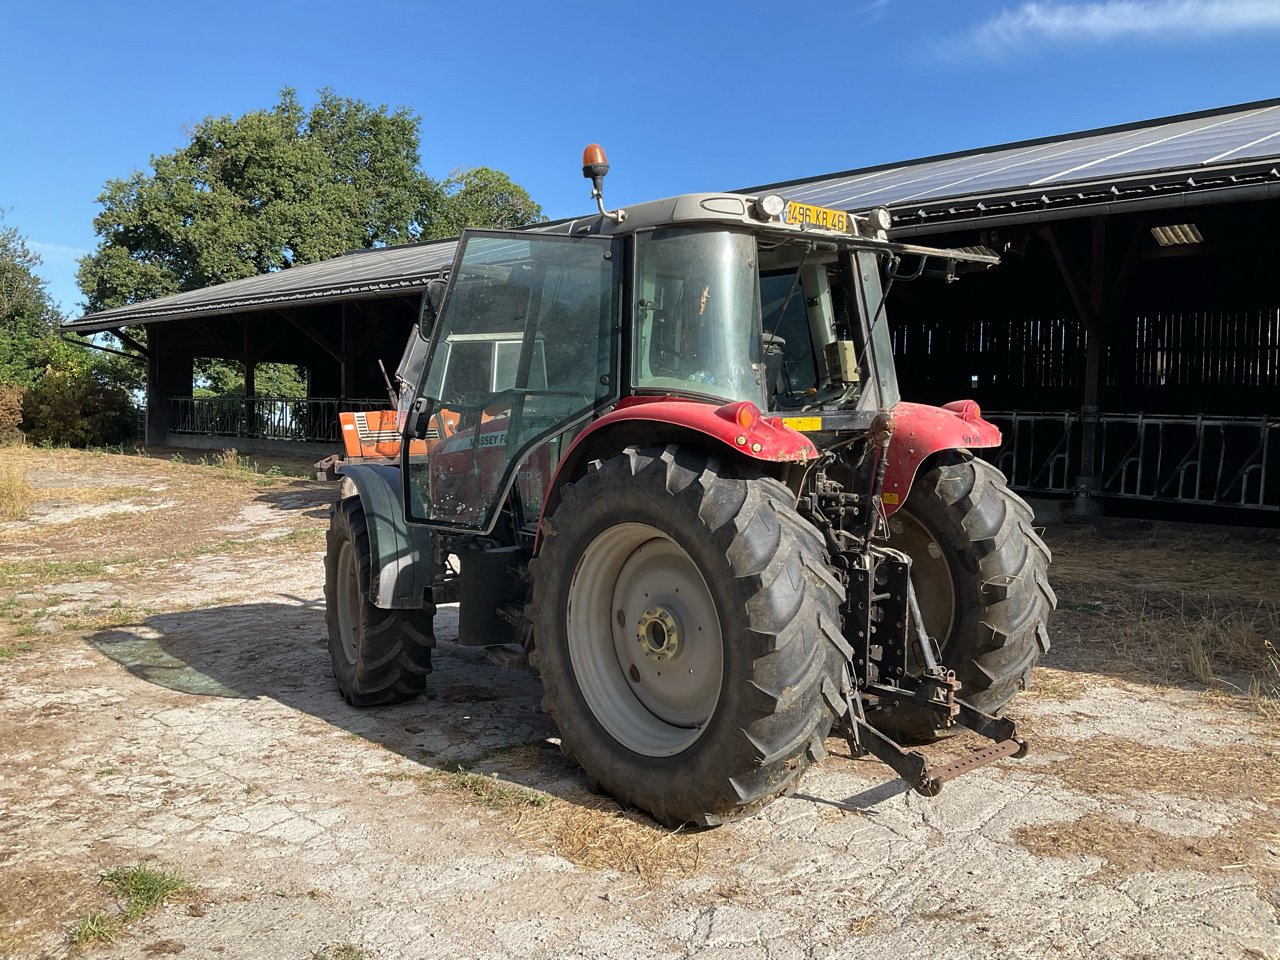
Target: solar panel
1229, 136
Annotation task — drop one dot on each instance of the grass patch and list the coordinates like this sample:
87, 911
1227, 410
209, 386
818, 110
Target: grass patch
16, 493
141, 889
100, 927
116, 615
28, 573
486, 791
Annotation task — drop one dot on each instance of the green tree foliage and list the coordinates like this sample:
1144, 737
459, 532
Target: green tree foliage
28, 318
479, 197
52, 391
279, 187
69, 407
225, 378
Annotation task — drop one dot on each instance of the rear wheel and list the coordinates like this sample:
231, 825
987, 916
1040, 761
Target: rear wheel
686, 629
981, 576
378, 656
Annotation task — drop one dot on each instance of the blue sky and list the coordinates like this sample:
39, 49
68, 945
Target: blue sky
684, 95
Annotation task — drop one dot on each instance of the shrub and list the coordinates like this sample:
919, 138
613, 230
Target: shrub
72, 408
10, 413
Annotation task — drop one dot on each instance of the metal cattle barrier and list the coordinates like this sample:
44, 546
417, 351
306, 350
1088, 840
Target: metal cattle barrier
1201, 460
264, 418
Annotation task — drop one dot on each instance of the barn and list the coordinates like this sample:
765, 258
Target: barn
1128, 345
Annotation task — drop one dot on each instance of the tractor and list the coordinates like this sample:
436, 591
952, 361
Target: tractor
662, 449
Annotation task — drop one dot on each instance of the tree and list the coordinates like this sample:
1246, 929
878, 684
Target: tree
51, 390
279, 187
28, 318
479, 197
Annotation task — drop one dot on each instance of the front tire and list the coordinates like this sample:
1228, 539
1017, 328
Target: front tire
981, 576
686, 628
378, 656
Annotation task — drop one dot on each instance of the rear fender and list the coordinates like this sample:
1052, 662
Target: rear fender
921, 431
400, 557
638, 421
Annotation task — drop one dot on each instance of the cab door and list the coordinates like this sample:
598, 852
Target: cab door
525, 348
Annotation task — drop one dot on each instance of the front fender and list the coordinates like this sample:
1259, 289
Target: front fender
399, 554
921, 431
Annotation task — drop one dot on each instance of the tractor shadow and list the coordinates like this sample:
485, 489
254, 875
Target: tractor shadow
474, 715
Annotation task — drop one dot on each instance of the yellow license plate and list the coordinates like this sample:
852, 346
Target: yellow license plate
803, 424
806, 214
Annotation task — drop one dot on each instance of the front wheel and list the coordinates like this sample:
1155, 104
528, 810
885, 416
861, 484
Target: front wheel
378, 656
686, 628
980, 572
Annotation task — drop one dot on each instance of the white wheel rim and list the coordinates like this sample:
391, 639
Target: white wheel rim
644, 640
348, 584
930, 574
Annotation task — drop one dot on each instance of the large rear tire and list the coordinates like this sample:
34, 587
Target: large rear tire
687, 631
379, 656
981, 574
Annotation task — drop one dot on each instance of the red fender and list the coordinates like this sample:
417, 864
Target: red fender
740, 426
920, 431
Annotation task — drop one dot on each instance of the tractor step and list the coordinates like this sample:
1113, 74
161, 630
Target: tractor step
507, 656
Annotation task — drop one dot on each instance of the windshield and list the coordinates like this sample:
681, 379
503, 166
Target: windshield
697, 310
819, 351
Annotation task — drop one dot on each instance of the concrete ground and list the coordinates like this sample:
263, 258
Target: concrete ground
166, 699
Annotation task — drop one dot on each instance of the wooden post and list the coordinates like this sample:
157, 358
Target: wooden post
250, 361
347, 374
170, 369
1088, 295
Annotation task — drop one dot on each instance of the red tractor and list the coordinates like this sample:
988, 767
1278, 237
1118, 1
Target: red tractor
679, 473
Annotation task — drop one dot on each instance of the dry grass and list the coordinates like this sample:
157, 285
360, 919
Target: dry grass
1126, 847
16, 493
596, 833
1168, 559
586, 830
1105, 765
1232, 650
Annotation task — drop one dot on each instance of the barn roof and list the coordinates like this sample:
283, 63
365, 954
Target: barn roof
1223, 154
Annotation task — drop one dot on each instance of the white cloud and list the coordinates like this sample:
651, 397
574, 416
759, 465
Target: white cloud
57, 252
1033, 24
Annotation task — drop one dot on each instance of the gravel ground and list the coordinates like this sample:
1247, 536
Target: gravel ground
167, 700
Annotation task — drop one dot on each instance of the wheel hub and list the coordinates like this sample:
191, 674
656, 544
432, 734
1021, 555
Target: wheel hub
644, 639
659, 634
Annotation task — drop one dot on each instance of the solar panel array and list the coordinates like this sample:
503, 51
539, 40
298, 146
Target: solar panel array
1199, 142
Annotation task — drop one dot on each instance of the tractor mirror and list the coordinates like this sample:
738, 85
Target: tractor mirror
432, 300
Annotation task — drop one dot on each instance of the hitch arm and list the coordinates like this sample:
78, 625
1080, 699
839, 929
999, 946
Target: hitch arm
913, 766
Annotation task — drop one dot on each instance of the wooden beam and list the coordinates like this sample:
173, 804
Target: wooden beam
1078, 291
124, 338
323, 342
228, 351
265, 346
